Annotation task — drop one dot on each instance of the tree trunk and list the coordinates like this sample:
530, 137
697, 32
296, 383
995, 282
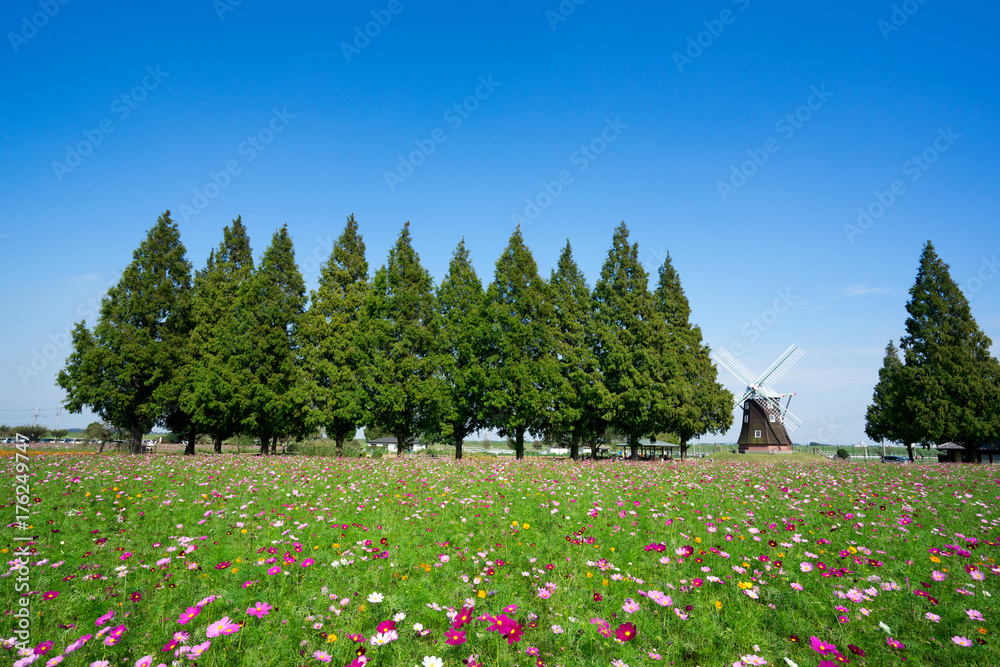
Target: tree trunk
264, 442
136, 445
189, 449
574, 446
274, 445
217, 443
684, 448
339, 440
400, 443
519, 444
633, 445
459, 440
593, 448
909, 450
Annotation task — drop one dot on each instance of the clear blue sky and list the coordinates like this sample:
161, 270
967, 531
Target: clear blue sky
645, 110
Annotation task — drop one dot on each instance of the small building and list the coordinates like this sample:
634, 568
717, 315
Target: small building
389, 443
952, 452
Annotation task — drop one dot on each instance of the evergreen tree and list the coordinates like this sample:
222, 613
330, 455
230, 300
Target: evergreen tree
404, 391
952, 380
460, 304
272, 391
639, 370
890, 416
705, 405
210, 390
123, 369
523, 379
334, 337
576, 412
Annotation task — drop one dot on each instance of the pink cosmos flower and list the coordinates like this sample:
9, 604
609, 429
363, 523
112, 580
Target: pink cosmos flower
307, 562
974, 615
101, 620
51, 595
260, 609
274, 570
962, 641
322, 656
144, 661
198, 649
895, 643
215, 629
454, 636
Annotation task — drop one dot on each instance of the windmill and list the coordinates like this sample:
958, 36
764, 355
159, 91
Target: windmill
766, 424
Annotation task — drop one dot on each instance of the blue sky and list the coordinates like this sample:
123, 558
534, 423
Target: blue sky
741, 137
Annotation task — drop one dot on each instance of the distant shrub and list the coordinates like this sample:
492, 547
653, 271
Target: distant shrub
843, 453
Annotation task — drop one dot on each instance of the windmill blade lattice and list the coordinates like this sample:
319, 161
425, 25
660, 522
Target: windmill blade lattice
780, 366
735, 366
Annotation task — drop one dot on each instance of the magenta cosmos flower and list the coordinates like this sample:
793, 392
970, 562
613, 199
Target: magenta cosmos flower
189, 614
820, 646
625, 632
454, 636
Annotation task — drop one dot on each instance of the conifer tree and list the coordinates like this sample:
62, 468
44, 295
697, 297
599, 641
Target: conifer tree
705, 406
638, 367
523, 379
948, 372
272, 390
334, 337
890, 416
460, 304
122, 370
576, 414
404, 392
210, 388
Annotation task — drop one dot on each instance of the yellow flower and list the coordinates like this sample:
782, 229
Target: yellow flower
525, 526
605, 582
589, 574
697, 540
235, 570
481, 594
718, 605
331, 638
612, 548
935, 559
243, 530
852, 550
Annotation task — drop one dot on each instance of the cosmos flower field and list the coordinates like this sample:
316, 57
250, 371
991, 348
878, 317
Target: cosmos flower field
229, 560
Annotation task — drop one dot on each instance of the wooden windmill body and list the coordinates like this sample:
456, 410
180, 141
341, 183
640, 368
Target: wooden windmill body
766, 423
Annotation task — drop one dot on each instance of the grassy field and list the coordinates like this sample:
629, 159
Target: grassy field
296, 560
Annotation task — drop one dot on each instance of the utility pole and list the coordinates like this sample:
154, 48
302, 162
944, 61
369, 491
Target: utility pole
34, 420
58, 412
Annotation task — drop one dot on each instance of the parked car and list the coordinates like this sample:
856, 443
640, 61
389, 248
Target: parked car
895, 459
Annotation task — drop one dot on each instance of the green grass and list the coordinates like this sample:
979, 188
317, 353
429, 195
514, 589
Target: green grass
445, 527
